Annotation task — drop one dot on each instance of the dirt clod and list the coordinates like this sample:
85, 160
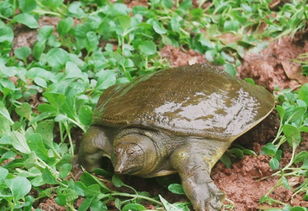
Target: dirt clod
179, 57
134, 3
240, 184
49, 204
274, 66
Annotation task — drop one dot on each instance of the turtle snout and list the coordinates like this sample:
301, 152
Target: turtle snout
124, 168
128, 159
119, 168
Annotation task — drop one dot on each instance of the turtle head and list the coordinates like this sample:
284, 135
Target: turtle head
134, 154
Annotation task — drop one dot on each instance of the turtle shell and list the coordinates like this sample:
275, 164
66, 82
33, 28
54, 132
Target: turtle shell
197, 100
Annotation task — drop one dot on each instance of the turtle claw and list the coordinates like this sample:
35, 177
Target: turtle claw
206, 197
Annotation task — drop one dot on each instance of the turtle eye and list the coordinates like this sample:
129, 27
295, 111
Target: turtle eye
134, 150
130, 151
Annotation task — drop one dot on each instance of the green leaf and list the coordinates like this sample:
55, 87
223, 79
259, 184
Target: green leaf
285, 183
303, 93
186, 4
274, 209
45, 128
46, 108
57, 57
36, 144
22, 52
19, 186
44, 33
5, 113
210, 55
86, 203
269, 149
62, 198
105, 79
85, 115
98, 206
117, 9
298, 209
167, 3
48, 177
249, 152
92, 41
301, 156
116, 181
158, 28
250, 81
26, 19
147, 48
6, 33
232, 25
292, 134
89, 179
53, 4
274, 163
225, 159
6, 139
64, 170
19, 142
3, 173
75, 9
7, 9
27, 5
168, 206
124, 22
133, 207
40, 82
236, 152
176, 188
73, 71
297, 114
176, 23
65, 25
92, 190
38, 49
281, 111
53, 41
229, 68
24, 110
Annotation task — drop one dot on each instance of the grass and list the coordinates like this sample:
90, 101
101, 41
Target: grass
49, 89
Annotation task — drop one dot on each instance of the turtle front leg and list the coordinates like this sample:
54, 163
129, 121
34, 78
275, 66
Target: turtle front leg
94, 145
193, 162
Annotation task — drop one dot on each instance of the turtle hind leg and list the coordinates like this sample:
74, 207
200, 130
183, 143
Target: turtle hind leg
193, 162
94, 145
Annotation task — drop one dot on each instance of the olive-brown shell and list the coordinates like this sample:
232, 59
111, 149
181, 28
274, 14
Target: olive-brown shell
197, 100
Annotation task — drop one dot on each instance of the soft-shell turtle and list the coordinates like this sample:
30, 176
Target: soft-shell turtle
178, 120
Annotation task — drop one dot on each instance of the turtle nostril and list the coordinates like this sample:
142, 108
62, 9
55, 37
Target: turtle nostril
119, 168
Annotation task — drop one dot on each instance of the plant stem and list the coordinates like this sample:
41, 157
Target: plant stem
134, 196
69, 138
46, 12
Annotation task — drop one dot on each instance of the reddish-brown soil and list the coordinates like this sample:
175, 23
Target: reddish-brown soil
49, 204
133, 3
179, 57
240, 182
274, 66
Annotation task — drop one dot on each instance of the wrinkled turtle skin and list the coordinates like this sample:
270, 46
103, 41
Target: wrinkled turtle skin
179, 120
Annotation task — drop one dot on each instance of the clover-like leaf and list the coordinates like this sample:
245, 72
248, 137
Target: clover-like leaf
147, 48
26, 19
176, 188
19, 186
